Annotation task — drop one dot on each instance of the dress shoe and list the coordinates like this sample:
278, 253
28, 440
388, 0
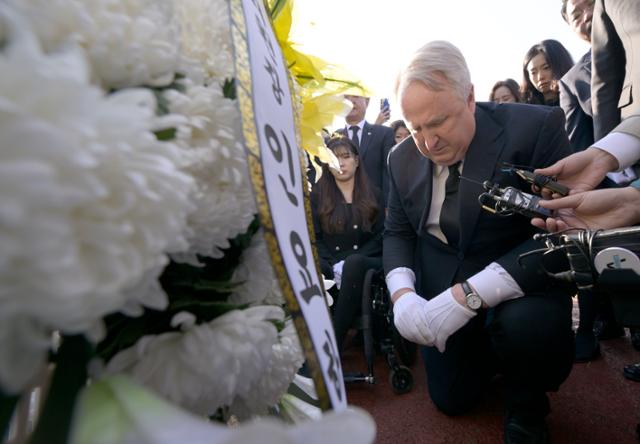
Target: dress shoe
587, 347
607, 329
632, 371
517, 431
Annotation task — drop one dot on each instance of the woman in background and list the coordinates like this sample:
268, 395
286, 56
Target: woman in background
400, 130
543, 66
505, 91
348, 218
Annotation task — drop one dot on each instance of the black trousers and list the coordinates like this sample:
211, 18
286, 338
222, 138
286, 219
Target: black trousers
528, 340
349, 301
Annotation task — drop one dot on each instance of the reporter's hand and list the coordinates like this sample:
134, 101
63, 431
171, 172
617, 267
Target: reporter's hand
581, 171
429, 322
383, 116
597, 209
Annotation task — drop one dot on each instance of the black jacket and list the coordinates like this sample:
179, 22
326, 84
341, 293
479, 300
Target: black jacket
516, 133
336, 247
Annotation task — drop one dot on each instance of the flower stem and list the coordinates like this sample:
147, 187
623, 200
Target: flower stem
69, 378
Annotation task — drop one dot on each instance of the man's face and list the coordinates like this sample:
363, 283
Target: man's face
441, 123
579, 15
359, 108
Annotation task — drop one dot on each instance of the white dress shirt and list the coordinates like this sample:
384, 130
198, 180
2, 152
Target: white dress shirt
624, 147
350, 132
493, 282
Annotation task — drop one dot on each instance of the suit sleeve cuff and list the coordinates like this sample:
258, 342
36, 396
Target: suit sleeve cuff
401, 277
494, 285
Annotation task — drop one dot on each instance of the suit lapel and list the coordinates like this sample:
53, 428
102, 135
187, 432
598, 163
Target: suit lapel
480, 163
423, 191
414, 179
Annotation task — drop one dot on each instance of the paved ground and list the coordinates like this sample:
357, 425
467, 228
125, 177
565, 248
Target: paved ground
595, 405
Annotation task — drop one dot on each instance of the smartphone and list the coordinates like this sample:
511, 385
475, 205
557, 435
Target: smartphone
384, 104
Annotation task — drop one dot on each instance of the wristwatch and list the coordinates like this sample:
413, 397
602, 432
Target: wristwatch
474, 301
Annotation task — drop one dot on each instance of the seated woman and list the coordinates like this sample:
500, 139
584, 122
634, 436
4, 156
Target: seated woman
544, 65
505, 91
348, 219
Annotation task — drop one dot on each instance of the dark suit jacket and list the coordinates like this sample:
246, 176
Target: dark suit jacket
515, 133
335, 247
375, 143
575, 101
615, 78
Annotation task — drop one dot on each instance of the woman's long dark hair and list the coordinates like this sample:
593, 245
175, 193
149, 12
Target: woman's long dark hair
511, 85
332, 210
558, 59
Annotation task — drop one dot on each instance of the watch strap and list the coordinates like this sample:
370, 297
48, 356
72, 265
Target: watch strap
467, 288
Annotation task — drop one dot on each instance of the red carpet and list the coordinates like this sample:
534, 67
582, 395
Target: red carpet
595, 405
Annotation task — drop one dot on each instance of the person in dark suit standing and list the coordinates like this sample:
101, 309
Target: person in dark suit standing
373, 143
615, 79
575, 85
616, 75
575, 101
616, 68
475, 310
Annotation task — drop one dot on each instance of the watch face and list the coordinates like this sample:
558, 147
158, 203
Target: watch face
473, 301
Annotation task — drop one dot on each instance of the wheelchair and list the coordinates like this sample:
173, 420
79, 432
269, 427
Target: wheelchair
376, 324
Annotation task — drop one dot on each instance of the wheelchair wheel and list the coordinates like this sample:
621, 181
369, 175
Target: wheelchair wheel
401, 380
405, 350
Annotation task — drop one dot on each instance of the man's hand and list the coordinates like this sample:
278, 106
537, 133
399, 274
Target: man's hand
429, 322
581, 171
598, 209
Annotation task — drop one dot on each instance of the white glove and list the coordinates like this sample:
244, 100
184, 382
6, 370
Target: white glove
430, 322
337, 273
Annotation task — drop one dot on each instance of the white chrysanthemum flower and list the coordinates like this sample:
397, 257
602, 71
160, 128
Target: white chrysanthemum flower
208, 365
90, 201
210, 136
275, 379
206, 38
257, 283
135, 415
128, 42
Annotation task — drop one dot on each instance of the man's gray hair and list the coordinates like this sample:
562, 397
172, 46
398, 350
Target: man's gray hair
433, 62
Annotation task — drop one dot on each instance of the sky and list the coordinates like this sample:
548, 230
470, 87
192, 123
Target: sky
372, 38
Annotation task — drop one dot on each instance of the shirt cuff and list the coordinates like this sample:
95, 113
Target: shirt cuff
494, 285
624, 147
401, 277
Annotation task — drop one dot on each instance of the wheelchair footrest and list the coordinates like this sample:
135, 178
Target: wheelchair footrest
359, 377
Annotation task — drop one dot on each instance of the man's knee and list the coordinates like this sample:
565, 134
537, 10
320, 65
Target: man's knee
451, 402
533, 323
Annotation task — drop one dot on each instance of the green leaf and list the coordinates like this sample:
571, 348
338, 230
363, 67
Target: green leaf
229, 89
277, 8
166, 134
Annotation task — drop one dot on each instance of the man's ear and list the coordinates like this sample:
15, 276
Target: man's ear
366, 102
471, 100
